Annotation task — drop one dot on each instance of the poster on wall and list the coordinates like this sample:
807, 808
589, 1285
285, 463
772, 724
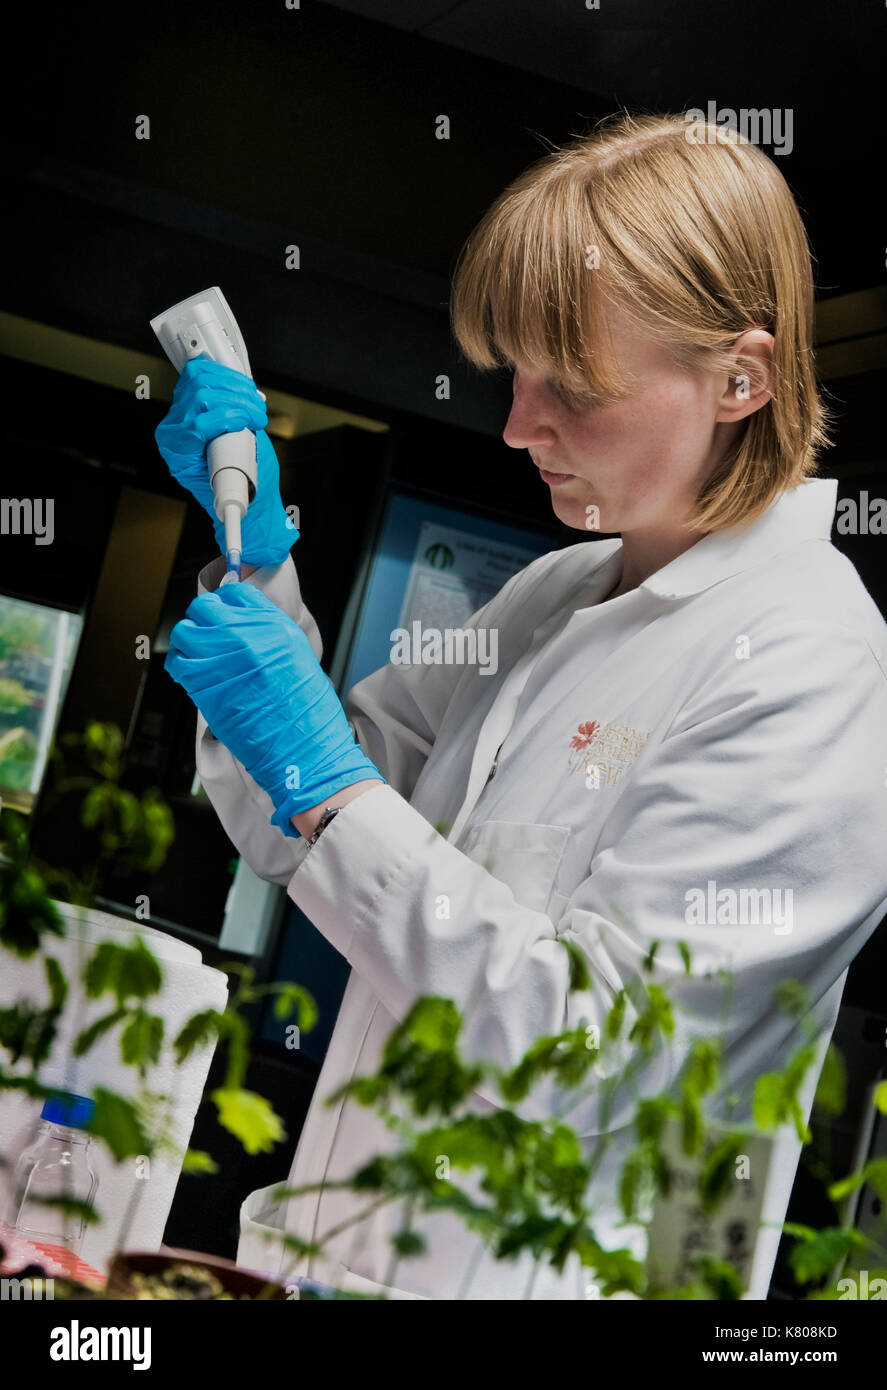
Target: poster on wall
454, 573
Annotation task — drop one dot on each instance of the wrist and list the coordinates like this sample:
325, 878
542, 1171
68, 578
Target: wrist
306, 821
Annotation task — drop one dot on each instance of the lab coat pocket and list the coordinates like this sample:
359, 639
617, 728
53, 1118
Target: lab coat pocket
525, 856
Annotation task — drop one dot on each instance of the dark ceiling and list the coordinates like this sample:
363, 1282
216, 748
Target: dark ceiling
315, 126
762, 53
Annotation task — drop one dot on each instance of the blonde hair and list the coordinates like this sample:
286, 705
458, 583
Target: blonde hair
693, 232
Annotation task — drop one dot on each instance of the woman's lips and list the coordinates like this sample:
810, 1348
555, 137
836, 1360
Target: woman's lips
554, 477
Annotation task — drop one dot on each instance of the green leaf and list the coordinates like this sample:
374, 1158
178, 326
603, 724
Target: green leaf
720, 1277
374, 1176
96, 805
776, 1093
420, 1060
837, 1191
249, 1118
719, 1169
140, 972
881, 1097
114, 811
794, 1228
702, 1071
156, 832
874, 1173
619, 1270
201, 1029
662, 1173
629, 1184
141, 1039
814, 1257
432, 1023
27, 1032
650, 1117
117, 1121
100, 971
103, 745
517, 1083
768, 1105
579, 978
126, 971
291, 996
791, 997
58, 985
692, 1124
366, 1090
197, 1161
649, 959
657, 1017
89, 1036
616, 1015
235, 1029
831, 1089
797, 1067
566, 1056
17, 1081
684, 950
408, 1243
27, 912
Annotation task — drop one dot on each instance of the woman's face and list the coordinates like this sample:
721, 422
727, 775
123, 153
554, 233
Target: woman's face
640, 461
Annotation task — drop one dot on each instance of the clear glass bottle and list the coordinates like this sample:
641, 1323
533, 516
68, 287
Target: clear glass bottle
57, 1164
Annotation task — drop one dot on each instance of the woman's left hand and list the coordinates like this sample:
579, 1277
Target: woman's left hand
252, 673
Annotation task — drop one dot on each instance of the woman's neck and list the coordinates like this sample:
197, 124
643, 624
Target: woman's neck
643, 553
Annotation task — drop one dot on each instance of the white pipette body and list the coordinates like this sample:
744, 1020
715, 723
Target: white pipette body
204, 324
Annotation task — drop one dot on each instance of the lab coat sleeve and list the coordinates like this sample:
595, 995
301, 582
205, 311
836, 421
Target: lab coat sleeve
768, 778
396, 711
394, 714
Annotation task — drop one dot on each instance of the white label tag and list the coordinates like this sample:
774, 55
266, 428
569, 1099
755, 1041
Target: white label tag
681, 1229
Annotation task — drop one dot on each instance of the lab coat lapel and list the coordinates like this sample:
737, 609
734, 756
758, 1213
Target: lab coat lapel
617, 682
613, 686
498, 721
500, 715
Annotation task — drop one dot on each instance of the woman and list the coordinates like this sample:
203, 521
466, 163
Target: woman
685, 737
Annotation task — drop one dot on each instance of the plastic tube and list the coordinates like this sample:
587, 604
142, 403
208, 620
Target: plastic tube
233, 513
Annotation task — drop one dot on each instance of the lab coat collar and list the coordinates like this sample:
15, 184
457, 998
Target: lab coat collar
802, 513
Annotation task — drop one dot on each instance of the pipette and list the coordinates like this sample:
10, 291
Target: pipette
205, 324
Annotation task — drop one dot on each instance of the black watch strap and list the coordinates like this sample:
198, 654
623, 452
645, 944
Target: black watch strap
328, 813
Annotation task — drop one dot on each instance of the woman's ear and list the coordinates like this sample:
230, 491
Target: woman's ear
751, 385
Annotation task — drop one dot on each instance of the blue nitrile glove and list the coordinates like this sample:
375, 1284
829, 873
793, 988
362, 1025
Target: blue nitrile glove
253, 675
211, 399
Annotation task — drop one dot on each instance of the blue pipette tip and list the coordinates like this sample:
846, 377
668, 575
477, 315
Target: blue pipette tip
234, 563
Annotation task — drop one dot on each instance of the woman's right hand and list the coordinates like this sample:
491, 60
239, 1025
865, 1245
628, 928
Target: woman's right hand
209, 400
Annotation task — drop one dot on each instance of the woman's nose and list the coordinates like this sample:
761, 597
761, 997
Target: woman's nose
529, 420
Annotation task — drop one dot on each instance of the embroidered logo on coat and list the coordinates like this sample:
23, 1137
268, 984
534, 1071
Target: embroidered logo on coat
605, 752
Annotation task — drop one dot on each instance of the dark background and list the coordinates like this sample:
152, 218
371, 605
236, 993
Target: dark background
315, 127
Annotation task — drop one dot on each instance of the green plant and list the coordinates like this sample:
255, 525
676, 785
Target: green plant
532, 1178
128, 975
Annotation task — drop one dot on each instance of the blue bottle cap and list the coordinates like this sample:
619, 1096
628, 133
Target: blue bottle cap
68, 1109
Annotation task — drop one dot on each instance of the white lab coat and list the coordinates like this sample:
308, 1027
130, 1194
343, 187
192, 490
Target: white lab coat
735, 733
